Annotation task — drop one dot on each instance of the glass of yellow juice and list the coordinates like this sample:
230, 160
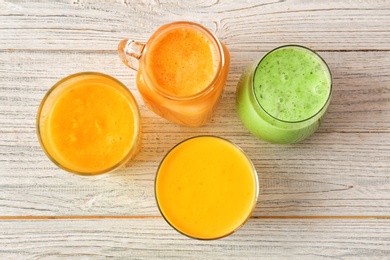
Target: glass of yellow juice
181, 71
206, 187
89, 123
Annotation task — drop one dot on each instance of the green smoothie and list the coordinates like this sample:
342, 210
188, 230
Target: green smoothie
284, 98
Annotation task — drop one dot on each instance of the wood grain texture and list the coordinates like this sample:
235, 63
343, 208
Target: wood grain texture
154, 239
244, 26
340, 170
316, 177
319, 199
360, 102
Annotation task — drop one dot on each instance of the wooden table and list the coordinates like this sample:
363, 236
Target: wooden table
326, 197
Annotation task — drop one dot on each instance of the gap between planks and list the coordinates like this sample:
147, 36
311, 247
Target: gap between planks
3, 218
232, 50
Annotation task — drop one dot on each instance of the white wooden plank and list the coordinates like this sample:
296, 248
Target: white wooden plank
242, 25
329, 174
360, 102
154, 239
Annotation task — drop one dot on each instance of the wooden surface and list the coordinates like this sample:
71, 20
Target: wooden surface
325, 198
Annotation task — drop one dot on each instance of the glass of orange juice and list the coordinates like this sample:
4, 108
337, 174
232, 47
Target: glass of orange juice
181, 71
206, 187
89, 123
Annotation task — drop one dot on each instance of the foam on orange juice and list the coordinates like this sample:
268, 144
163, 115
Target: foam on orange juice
206, 187
182, 71
90, 128
183, 61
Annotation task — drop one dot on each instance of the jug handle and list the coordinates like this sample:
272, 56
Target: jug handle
130, 52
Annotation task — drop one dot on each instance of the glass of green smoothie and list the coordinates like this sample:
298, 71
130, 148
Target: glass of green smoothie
284, 97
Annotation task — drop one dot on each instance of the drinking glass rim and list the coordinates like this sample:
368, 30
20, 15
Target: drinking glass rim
217, 44
254, 174
134, 107
319, 110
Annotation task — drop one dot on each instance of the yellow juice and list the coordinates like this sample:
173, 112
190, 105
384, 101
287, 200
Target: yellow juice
91, 126
206, 187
